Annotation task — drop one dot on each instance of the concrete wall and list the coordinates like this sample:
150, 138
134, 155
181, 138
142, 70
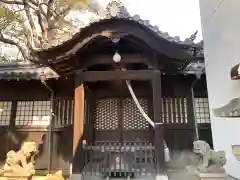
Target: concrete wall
221, 34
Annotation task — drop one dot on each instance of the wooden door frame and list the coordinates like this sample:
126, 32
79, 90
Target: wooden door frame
154, 76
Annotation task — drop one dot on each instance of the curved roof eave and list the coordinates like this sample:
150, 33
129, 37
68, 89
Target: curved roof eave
120, 14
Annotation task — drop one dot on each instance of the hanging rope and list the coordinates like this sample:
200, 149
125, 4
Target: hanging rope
138, 104
166, 150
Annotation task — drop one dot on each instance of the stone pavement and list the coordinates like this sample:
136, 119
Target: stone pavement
181, 175
176, 174
184, 175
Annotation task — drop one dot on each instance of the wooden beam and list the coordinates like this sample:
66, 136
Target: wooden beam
78, 128
106, 59
159, 148
159, 126
89, 76
157, 97
78, 116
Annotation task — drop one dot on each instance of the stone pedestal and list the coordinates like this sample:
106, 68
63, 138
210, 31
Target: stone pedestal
76, 177
14, 178
161, 177
213, 176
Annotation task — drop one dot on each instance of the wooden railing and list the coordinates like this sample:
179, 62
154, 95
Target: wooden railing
119, 160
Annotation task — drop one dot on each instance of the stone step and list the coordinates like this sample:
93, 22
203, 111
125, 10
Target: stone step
213, 176
181, 175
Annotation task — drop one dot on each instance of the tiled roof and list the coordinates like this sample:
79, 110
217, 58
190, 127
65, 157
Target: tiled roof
17, 71
115, 10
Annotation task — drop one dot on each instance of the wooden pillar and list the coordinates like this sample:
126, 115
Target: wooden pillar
194, 134
159, 128
78, 126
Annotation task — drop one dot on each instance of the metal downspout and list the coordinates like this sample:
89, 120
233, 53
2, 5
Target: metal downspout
198, 78
50, 127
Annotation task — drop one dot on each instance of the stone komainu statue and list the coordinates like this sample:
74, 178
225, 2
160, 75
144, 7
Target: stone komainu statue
210, 160
20, 163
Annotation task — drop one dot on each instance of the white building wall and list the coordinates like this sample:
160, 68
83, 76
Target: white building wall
221, 34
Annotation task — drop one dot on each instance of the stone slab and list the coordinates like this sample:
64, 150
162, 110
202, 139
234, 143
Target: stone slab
161, 177
181, 174
33, 178
213, 176
13, 178
76, 177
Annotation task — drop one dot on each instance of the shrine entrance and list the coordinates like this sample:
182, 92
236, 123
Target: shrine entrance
121, 141
119, 120
116, 117
110, 135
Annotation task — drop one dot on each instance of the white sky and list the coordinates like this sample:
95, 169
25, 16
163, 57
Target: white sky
177, 17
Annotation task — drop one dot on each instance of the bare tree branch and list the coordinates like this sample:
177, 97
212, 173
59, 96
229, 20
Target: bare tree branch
42, 9
42, 25
36, 24
49, 9
38, 8
34, 2
30, 18
29, 38
10, 41
12, 2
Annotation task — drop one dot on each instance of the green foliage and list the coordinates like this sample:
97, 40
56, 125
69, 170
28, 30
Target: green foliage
3, 59
7, 13
80, 4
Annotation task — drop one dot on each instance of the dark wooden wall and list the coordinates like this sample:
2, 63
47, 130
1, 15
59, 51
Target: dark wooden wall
205, 131
178, 135
12, 136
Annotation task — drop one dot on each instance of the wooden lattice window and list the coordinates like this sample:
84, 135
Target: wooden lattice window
33, 113
202, 110
64, 112
106, 114
110, 112
174, 110
5, 112
132, 117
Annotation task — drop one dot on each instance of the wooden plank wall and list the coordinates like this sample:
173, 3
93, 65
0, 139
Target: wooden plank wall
11, 137
177, 111
205, 131
178, 135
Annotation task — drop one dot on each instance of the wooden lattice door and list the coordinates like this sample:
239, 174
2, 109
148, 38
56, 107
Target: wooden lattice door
119, 120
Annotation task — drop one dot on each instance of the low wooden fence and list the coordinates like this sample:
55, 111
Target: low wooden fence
119, 160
